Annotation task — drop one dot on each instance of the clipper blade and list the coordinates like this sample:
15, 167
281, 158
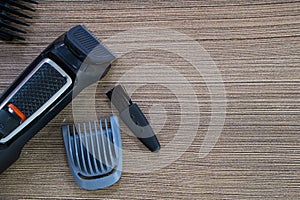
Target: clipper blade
94, 152
13, 15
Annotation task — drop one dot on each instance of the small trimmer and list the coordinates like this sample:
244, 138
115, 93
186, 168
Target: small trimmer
133, 117
68, 65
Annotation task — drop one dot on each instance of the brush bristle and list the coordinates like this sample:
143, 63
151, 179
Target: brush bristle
13, 15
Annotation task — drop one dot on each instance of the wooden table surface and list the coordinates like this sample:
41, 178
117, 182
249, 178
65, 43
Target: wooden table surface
255, 46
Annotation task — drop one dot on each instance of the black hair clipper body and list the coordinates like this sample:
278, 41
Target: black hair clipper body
72, 62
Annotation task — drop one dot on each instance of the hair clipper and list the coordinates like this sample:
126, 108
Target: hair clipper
68, 65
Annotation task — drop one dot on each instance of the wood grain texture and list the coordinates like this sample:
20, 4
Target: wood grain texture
256, 46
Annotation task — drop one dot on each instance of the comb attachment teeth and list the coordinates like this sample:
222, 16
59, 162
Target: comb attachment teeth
12, 15
94, 152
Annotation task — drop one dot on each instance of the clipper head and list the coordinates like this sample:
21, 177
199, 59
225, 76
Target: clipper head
94, 152
13, 15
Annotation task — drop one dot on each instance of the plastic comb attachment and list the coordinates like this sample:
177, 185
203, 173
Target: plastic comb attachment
94, 152
12, 15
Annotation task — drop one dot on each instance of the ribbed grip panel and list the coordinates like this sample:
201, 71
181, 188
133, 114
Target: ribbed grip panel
38, 89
